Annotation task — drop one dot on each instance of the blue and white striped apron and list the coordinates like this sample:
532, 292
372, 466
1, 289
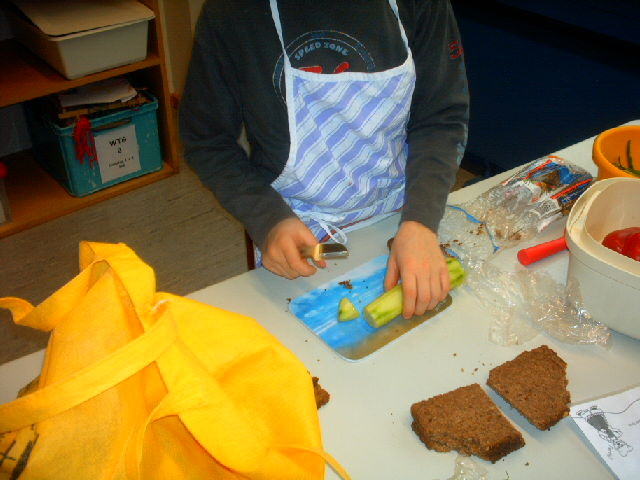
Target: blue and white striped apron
346, 165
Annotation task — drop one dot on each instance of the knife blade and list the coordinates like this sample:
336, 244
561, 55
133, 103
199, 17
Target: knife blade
389, 332
325, 251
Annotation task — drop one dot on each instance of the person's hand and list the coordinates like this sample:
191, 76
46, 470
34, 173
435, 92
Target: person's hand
417, 259
281, 252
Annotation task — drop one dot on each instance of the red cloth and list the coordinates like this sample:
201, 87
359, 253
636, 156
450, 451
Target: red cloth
84, 142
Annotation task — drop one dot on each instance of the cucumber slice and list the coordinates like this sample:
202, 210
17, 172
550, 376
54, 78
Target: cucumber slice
347, 310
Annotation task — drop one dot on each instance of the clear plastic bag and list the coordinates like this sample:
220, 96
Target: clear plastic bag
522, 303
467, 469
559, 311
515, 210
501, 294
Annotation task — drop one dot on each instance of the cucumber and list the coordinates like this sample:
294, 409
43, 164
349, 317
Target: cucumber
347, 310
384, 308
389, 305
457, 275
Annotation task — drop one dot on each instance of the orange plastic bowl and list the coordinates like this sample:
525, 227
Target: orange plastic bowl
610, 148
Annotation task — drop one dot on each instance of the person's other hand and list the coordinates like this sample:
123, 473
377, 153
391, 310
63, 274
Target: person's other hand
281, 252
417, 259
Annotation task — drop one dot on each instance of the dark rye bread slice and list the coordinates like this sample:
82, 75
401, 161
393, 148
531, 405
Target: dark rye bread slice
466, 420
535, 383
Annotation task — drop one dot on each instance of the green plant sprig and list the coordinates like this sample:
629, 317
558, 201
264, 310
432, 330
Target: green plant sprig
631, 168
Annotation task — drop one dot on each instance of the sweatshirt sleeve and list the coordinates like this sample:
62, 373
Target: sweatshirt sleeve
437, 129
210, 125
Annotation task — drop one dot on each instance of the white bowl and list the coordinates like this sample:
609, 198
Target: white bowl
609, 282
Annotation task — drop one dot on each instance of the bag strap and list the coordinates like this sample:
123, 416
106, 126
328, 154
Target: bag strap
55, 308
136, 282
90, 381
332, 462
96, 261
173, 404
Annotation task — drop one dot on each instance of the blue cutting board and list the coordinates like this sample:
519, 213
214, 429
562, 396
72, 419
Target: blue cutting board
354, 339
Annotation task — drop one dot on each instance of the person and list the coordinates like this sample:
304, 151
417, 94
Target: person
353, 110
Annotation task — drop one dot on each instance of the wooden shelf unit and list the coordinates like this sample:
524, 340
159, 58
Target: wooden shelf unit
34, 196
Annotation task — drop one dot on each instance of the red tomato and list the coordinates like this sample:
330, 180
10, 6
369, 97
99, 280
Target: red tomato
632, 247
625, 241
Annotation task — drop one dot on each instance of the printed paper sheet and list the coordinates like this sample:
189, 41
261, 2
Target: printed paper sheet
612, 426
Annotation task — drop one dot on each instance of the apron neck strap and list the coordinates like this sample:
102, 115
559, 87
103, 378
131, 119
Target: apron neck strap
394, 7
275, 14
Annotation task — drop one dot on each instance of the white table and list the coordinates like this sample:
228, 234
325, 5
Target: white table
367, 423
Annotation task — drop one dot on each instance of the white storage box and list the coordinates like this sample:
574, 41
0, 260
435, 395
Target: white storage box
79, 37
609, 282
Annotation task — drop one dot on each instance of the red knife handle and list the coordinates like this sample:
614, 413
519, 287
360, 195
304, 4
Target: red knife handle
530, 255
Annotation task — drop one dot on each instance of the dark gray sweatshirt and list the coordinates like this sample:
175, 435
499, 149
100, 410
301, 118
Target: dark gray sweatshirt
235, 78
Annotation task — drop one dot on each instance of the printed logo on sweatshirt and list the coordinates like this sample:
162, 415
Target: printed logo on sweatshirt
323, 51
455, 49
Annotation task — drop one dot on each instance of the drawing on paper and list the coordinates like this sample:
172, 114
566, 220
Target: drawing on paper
610, 432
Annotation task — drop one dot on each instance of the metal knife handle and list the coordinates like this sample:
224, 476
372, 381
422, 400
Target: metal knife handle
325, 251
311, 252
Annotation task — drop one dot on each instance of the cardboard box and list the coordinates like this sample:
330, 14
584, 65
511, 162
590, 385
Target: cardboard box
78, 38
126, 145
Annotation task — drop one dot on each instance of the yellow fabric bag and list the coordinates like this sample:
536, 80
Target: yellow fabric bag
138, 384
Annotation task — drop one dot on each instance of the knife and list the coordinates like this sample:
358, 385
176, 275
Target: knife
325, 251
387, 333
